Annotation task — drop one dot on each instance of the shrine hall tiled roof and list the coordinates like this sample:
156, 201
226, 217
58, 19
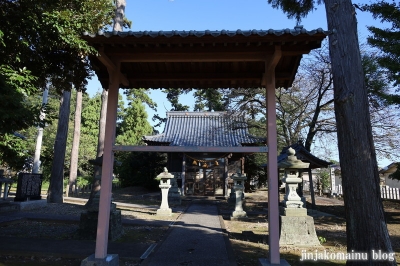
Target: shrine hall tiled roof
207, 129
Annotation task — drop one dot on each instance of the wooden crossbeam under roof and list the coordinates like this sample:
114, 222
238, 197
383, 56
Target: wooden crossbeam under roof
201, 59
251, 149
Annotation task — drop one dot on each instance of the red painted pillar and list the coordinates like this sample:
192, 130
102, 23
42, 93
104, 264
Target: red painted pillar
273, 192
107, 168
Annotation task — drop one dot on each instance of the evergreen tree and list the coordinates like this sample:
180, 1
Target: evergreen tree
387, 40
209, 100
133, 125
97, 130
365, 222
173, 98
140, 168
89, 132
135, 168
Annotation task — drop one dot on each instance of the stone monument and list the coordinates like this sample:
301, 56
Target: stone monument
29, 187
297, 228
165, 184
238, 180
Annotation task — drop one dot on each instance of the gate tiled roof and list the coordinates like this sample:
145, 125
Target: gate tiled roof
201, 59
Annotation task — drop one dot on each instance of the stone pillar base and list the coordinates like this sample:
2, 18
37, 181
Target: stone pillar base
298, 231
110, 260
238, 215
164, 212
266, 262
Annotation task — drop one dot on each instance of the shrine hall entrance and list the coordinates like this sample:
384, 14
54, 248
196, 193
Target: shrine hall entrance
205, 178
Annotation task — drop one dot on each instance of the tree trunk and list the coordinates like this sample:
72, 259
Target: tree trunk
73, 168
119, 15
55, 193
100, 147
365, 222
96, 183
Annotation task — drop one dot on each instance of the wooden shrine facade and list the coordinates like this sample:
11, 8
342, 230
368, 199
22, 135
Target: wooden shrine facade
204, 173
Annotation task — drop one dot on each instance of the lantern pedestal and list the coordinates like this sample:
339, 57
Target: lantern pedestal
298, 231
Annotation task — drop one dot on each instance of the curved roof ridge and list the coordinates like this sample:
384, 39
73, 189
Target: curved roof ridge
195, 113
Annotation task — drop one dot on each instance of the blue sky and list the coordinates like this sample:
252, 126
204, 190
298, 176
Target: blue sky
156, 15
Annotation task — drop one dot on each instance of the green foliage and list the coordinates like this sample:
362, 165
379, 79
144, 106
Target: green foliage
387, 40
16, 112
142, 95
88, 140
46, 38
253, 168
89, 132
12, 151
42, 42
377, 83
134, 124
173, 98
322, 239
295, 9
136, 168
82, 181
209, 100
140, 168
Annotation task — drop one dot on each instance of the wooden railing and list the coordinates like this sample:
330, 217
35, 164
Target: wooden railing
386, 192
390, 193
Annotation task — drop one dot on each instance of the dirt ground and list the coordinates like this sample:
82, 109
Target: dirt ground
249, 238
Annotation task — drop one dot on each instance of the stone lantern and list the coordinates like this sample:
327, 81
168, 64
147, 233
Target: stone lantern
297, 229
239, 180
165, 184
292, 203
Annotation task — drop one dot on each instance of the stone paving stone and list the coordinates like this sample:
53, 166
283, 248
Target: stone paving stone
196, 239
